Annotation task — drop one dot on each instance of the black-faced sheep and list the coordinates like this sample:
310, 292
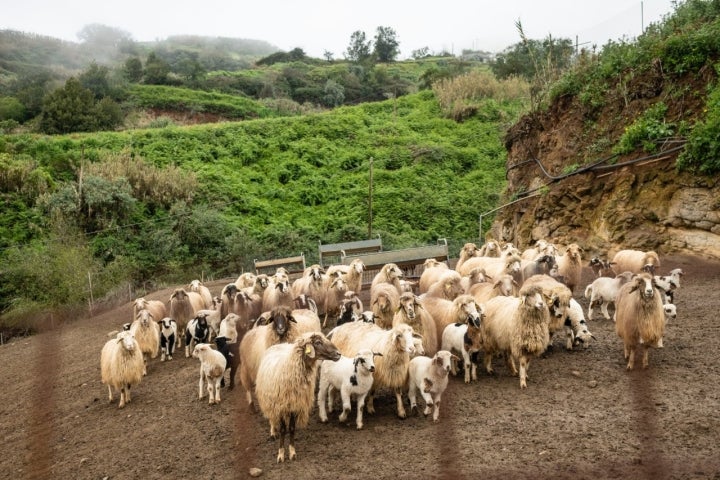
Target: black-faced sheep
429, 377
121, 365
168, 337
389, 273
432, 270
212, 368
635, 261
639, 317
391, 369
258, 339
518, 328
351, 377
198, 287
351, 308
212, 316
601, 267
183, 305
384, 302
603, 290
147, 334
231, 352
411, 312
570, 265
286, 385
463, 309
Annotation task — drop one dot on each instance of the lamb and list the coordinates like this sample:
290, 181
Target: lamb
517, 327
412, 313
168, 337
197, 287
601, 267
448, 286
258, 339
389, 273
603, 290
229, 327
570, 266
469, 250
466, 339
197, 331
213, 317
121, 365
349, 376
333, 299
474, 277
212, 368
432, 270
278, 294
505, 285
429, 376
635, 261
286, 385
231, 352
640, 317
183, 305
147, 334
391, 369
667, 284
670, 314
384, 302
576, 330
463, 309
155, 307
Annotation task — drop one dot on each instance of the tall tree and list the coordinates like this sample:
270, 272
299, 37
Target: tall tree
386, 45
95, 79
359, 48
68, 109
133, 71
156, 70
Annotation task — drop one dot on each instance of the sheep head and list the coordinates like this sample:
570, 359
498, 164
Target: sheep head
145, 317
364, 359
358, 265
230, 291
367, 316
506, 285
199, 349
280, 319
467, 308
391, 271
443, 362
127, 340
315, 346
532, 297
409, 304
644, 283
670, 311
469, 250
402, 336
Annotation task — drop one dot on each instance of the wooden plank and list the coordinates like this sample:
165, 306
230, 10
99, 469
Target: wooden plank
349, 248
403, 258
294, 265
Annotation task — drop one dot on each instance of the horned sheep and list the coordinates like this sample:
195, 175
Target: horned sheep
286, 385
384, 302
121, 365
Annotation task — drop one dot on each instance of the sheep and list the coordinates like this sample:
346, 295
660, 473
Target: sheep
635, 261
155, 307
367, 316
168, 337
466, 339
432, 270
247, 305
570, 265
227, 295
229, 327
121, 365
603, 290
351, 308
354, 275
258, 339
517, 327
197, 331
245, 280
349, 376
463, 309
277, 294
469, 250
231, 352
286, 385
197, 287
213, 317
407, 285
576, 330
391, 369
384, 302
474, 277
490, 248
389, 273
639, 317
448, 286
147, 334
667, 285
557, 297
183, 305
543, 264
411, 312
429, 376
670, 311
212, 368
509, 263
312, 283
601, 267
542, 247
304, 302
333, 299
505, 285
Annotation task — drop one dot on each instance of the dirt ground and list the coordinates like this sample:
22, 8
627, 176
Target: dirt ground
582, 415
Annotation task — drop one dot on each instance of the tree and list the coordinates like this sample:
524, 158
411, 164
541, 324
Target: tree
68, 109
334, 94
420, 53
328, 55
11, 109
95, 79
156, 70
386, 45
359, 49
103, 37
133, 70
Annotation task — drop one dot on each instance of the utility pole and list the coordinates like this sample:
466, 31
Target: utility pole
370, 200
642, 18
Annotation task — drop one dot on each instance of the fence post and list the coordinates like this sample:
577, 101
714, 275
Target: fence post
480, 232
91, 294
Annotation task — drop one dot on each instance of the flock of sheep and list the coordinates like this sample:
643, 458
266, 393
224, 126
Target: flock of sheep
282, 335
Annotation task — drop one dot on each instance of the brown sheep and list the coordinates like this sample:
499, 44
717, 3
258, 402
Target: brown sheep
183, 305
333, 300
639, 317
389, 273
412, 313
448, 286
557, 296
432, 270
635, 261
570, 265
384, 302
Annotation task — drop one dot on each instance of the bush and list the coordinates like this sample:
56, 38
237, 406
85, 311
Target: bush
645, 131
702, 150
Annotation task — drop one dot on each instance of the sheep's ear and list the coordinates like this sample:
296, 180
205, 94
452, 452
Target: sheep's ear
291, 319
454, 357
309, 351
437, 360
377, 354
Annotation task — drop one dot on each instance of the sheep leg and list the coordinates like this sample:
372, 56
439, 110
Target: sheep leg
122, 397
466, 364
400, 406
630, 356
110, 394
330, 398
281, 449
569, 338
511, 364
370, 403
201, 393
488, 363
322, 402
127, 394
429, 404
233, 370
646, 351
604, 310
345, 397
412, 395
436, 408
360, 404
291, 446
524, 364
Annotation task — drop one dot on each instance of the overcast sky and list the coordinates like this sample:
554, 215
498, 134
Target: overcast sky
320, 25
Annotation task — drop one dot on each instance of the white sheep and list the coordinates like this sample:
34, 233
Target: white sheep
286, 385
504, 285
639, 317
474, 277
443, 312
384, 302
247, 306
557, 297
635, 261
391, 369
155, 307
168, 338
518, 328
429, 376
469, 250
245, 280
229, 327
121, 365
670, 314
313, 283
432, 269
354, 275
466, 339
542, 247
576, 330
212, 368
507, 263
147, 334
411, 312
198, 287
349, 376
570, 265
490, 248
389, 273
448, 286
603, 290
278, 294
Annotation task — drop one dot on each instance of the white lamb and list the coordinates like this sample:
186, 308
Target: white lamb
603, 290
121, 365
429, 376
350, 376
212, 368
466, 339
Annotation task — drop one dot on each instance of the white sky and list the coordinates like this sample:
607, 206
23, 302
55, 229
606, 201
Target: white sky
319, 25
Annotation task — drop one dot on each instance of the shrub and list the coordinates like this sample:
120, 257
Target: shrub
645, 131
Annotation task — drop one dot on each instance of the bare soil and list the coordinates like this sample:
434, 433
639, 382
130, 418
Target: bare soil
582, 416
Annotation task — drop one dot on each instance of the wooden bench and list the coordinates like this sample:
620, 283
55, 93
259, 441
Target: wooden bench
408, 259
344, 249
294, 265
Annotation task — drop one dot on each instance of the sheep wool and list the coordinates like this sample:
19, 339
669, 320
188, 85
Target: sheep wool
121, 365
